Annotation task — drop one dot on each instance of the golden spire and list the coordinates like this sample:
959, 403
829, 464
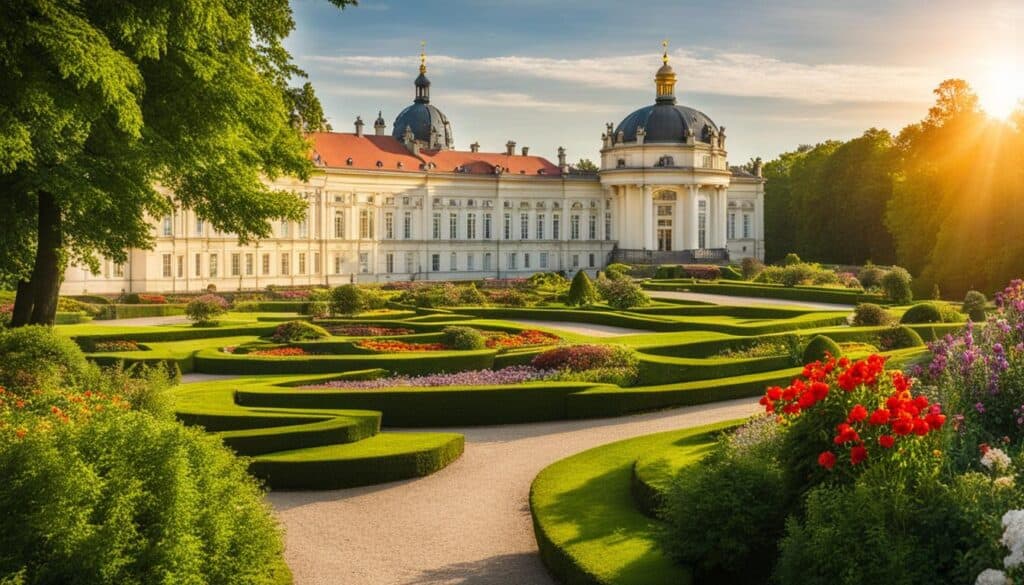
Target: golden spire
423, 57
664, 55
665, 79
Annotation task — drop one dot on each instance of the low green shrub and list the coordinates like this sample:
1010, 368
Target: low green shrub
922, 313
205, 309
317, 309
974, 306
616, 271
622, 294
298, 331
896, 284
870, 314
770, 275
899, 337
347, 299
751, 267
870, 276
35, 357
458, 337
471, 295
819, 348
581, 290
791, 259
731, 273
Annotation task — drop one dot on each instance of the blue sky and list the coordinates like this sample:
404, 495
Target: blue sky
548, 73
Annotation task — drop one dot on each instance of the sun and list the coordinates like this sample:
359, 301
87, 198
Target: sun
1002, 89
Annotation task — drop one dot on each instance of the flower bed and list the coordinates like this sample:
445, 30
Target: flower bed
395, 346
368, 331
524, 338
117, 345
280, 352
504, 376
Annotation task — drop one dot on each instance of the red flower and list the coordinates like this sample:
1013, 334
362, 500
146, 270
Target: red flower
858, 413
879, 417
827, 459
858, 454
935, 420
921, 427
886, 441
903, 425
774, 393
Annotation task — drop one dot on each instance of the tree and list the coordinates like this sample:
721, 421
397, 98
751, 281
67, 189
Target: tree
106, 110
307, 113
586, 165
581, 290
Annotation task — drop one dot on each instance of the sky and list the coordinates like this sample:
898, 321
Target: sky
550, 73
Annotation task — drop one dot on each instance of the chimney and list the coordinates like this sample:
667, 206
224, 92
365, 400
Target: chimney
510, 148
379, 127
758, 167
475, 147
359, 126
526, 150
561, 159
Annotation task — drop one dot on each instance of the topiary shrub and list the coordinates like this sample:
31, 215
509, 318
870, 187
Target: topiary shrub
870, 276
617, 271
922, 313
731, 273
347, 299
471, 295
974, 306
770, 275
870, 314
577, 358
899, 337
791, 259
622, 294
457, 337
317, 309
373, 298
34, 358
799, 273
751, 267
205, 309
581, 291
820, 348
896, 284
298, 331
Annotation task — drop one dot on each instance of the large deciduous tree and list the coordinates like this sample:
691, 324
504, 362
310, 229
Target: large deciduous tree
108, 106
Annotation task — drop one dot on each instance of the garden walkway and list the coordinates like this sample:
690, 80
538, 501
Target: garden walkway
744, 301
468, 524
591, 329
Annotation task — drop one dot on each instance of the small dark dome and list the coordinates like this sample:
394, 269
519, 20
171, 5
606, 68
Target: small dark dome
425, 120
667, 122
422, 81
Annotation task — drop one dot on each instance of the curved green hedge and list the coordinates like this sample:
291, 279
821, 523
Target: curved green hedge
212, 361
771, 291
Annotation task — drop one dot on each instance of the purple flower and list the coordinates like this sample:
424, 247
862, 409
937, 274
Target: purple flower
979, 407
504, 376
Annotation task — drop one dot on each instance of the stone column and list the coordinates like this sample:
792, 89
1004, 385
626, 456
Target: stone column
679, 219
692, 211
648, 223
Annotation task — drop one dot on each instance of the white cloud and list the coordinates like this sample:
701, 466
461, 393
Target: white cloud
519, 100
733, 74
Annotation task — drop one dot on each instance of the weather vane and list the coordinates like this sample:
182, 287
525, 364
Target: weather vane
664, 46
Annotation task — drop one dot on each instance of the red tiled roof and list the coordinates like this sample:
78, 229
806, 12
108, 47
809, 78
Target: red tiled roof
372, 152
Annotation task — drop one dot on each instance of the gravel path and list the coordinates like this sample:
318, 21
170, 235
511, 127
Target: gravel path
592, 329
468, 524
743, 301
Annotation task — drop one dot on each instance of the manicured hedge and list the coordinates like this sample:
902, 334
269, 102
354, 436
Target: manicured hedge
335, 430
120, 311
382, 458
158, 334
655, 369
795, 293
71, 318
739, 311
271, 306
212, 361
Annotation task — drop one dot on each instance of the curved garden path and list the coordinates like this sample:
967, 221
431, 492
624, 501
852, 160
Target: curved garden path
468, 524
744, 301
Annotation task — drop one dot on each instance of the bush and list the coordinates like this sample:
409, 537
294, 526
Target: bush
622, 294
317, 309
974, 306
731, 273
896, 284
34, 358
347, 299
464, 338
577, 358
374, 299
298, 331
799, 273
899, 337
819, 348
791, 259
870, 276
725, 516
581, 291
471, 295
922, 313
770, 275
870, 314
510, 298
823, 277
204, 310
751, 267
617, 271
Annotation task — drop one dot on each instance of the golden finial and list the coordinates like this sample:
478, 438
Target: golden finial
664, 55
423, 57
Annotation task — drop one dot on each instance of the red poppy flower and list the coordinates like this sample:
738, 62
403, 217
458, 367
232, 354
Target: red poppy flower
858, 454
827, 459
858, 413
886, 441
879, 417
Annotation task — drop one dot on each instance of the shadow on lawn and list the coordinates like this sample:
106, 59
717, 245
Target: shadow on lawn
518, 568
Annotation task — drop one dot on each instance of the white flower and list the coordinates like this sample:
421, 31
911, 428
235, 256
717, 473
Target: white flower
1013, 537
992, 577
996, 459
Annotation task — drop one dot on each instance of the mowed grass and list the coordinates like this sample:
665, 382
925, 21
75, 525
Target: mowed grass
588, 527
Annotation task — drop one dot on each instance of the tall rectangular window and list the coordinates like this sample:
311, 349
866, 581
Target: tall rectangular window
592, 228
302, 262
730, 229
407, 225
168, 225
167, 265
119, 270
592, 260
746, 225
453, 262
265, 261
487, 261
435, 262
470, 226
470, 261
338, 261
181, 266
556, 227
389, 225
487, 226
512, 259
213, 265
304, 227
608, 225
200, 224
364, 262
366, 224
410, 262
249, 265
524, 226
453, 226
199, 266
236, 264
575, 260
540, 227
543, 260
316, 263
339, 224
526, 260
574, 227
435, 230
702, 224
389, 262
507, 233
286, 228
286, 261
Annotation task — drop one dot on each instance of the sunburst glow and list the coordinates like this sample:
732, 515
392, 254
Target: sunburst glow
1002, 89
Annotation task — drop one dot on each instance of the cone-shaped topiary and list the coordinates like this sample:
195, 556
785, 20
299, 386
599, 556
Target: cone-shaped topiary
820, 348
581, 291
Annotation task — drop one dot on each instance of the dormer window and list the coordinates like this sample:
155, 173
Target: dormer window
348, 161
380, 164
621, 163
400, 165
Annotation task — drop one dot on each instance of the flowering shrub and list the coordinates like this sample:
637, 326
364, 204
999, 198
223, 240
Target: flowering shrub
622, 294
152, 299
508, 297
117, 345
297, 331
525, 338
369, 331
504, 376
293, 295
577, 358
203, 310
280, 352
396, 346
466, 338
786, 345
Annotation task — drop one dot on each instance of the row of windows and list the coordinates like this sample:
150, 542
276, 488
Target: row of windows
731, 226
238, 261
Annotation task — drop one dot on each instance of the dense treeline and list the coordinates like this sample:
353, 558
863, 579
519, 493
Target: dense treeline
944, 198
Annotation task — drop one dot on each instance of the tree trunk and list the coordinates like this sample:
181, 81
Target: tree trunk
46, 275
22, 304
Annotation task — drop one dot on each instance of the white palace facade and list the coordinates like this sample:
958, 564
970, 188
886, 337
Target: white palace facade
406, 205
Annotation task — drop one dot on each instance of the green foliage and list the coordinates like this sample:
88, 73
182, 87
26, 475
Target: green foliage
317, 309
974, 306
820, 347
798, 273
899, 337
37, 358
870, 314
751, 267
348, 299
457, 337
617, 271
732, 273
471, 295
791, 259
896, 284
307, 112
922, 313
298, 331
622, 294
770, 275
870, 276
586, 165
205, 309
581, 290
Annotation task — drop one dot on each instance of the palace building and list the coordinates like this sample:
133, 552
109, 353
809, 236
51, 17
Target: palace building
406, 205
